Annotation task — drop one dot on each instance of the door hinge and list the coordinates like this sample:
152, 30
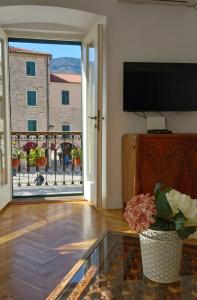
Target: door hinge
99, 120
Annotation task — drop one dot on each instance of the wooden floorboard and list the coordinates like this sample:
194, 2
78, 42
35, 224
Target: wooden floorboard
40, 242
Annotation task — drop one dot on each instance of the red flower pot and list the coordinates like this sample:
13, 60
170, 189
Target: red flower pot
77, 161
41, 162
15, 163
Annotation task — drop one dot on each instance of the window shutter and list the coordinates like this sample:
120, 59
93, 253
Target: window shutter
30, 68
65, 97
31, 98
65, 127
32, 125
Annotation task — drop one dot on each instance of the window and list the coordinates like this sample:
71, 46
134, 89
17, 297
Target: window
65, 127
30, 68
31, 98
32, 125
65, 97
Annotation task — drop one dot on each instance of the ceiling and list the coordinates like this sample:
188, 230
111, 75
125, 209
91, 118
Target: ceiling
32, 20
187, 3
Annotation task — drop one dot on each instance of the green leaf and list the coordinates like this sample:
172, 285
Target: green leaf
163, 208
167, 189
161, 187
158, 188
184, 232
163, 224
179, 220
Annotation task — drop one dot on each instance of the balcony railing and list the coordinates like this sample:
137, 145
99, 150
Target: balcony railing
61, 174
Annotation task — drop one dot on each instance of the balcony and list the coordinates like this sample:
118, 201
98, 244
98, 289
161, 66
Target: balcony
61, 173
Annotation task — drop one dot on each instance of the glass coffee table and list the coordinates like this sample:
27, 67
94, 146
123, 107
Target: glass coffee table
113, 270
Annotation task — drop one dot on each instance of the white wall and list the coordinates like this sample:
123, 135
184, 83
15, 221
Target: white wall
137, 33
142, 33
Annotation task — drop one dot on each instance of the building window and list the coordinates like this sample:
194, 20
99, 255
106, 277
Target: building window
30, 68
32, 125
65, 97
65, 127
31, 98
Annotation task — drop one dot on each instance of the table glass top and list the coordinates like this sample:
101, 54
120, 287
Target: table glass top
114, 271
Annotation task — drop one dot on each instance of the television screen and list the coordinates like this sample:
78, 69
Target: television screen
159, 86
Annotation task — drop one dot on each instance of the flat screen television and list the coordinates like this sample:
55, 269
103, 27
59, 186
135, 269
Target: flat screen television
159, 86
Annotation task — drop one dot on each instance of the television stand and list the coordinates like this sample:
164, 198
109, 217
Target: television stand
151, 158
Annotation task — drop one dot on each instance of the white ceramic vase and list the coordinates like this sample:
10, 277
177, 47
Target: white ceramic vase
161, 255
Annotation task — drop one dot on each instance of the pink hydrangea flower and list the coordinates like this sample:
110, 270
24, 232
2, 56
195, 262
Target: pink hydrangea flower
140, 211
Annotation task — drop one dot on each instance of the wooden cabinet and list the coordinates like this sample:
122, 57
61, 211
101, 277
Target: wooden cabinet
151, 158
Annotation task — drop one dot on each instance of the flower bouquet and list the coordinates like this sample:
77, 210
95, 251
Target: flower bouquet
167, 210
163, 221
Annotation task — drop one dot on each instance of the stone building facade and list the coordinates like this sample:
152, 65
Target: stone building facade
52, 102
23, 84
65, 112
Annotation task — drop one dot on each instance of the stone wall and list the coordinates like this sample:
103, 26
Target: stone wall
58, 114
20, 83
65, 114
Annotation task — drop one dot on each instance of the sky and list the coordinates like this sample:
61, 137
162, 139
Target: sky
54, 49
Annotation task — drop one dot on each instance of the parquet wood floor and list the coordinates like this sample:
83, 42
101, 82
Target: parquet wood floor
39, 243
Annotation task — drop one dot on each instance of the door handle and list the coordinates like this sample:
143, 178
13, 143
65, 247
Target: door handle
93, 118
97, 118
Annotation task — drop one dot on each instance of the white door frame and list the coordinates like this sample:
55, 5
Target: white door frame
101, 166
6, 190
93, 187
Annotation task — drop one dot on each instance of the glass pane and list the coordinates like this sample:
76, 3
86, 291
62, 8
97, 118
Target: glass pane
91, 111
113, 270
3, 177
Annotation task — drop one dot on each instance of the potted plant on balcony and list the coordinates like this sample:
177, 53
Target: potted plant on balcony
29, 145
36, 157
17, 155
76, 154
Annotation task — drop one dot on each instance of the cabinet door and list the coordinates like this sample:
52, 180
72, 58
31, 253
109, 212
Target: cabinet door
128, 167
192, 167
160, 159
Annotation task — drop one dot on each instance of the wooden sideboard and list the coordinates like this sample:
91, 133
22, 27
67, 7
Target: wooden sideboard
151, 158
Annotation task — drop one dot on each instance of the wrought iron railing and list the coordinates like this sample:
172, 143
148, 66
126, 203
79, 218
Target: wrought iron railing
61, 169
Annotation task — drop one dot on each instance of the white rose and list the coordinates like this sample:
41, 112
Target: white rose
178, 201
191, 212
184, 203
191, 222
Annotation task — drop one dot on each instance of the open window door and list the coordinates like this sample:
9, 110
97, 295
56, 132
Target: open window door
5, 152
92, 78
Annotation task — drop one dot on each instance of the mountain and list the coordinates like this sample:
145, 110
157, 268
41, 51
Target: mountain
66, 65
